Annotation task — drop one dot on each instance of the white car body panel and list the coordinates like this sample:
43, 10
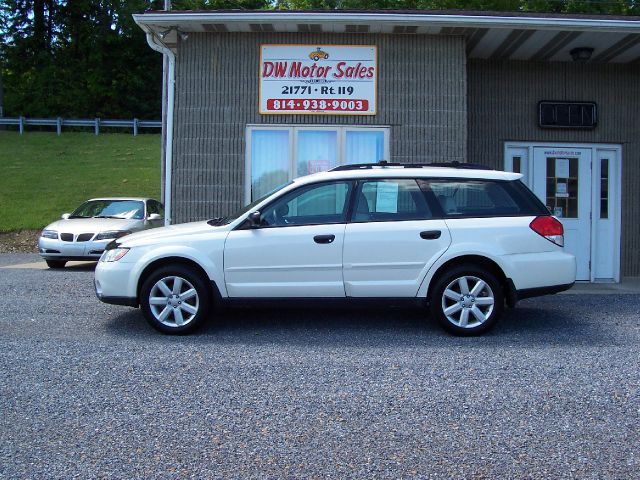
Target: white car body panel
284, 262
197, 242
529, 259
390, 260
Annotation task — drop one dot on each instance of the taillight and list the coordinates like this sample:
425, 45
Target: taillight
550, 228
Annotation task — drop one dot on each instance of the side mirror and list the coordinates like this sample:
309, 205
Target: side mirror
154, 216
65, 216
254, 219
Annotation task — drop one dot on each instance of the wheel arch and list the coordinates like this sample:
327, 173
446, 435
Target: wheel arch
476, 260
177, 260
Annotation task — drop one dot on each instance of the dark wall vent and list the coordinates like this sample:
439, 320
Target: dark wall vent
567, 114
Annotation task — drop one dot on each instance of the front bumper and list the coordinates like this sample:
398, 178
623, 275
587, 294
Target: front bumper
114, 284
56, 249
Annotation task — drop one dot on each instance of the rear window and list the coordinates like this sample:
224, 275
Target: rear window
482, 198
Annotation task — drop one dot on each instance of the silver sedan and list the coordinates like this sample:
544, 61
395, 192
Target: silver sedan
83, 234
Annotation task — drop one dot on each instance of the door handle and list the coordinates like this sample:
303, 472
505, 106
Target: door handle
324, 238
430, 234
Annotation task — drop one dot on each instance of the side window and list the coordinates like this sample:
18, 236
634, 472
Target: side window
312, 205
481, 198
390, 200
155, 207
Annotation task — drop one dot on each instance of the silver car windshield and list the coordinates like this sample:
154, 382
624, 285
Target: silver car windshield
129, 209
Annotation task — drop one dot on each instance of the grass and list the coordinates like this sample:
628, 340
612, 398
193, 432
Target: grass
43, 175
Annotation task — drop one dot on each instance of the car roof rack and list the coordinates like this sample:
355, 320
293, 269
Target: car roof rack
384, 163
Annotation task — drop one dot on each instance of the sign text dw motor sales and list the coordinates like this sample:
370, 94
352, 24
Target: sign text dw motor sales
311, 79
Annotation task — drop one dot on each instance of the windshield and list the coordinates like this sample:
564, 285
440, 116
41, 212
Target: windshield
246, 208
126, 209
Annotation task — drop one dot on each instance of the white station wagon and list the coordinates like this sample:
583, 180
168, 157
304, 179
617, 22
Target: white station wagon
462, 240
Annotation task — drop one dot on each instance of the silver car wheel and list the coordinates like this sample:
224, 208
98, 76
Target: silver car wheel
467, 302
174, 301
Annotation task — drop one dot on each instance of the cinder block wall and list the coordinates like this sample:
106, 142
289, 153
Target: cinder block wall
503, 98
421, 95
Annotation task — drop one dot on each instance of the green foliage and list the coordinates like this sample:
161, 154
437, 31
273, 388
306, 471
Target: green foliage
78, 58
623, 7
45, 175
220, 4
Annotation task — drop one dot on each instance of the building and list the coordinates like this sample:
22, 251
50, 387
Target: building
259, 97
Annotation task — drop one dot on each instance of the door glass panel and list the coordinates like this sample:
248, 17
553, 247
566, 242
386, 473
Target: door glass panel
364, 147
269, 160
516, 164
562, 186
317, 151
317, 204
604, 188
390, 200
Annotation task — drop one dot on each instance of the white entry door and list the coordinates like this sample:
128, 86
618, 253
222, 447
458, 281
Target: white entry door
562, 180
581, 186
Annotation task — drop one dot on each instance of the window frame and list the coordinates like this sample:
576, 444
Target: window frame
425, 186
346, 211
293, 130
362, 181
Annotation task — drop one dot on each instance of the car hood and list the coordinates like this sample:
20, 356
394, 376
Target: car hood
157, 235
93, 225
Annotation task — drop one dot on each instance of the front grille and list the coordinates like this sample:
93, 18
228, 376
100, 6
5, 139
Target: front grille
84, 237
66, 237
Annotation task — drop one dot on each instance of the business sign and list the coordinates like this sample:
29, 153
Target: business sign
318, 79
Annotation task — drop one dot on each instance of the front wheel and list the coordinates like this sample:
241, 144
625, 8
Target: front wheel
467, 300
175, 300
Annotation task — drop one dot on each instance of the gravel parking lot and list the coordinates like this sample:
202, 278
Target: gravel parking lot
89, 390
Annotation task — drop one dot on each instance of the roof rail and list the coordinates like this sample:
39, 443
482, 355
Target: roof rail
383, 164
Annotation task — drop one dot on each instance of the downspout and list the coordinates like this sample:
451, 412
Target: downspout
168, 151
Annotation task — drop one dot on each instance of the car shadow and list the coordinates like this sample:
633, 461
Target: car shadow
73, 267
529, 325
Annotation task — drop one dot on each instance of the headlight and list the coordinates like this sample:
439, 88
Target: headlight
49, 234
113, 255
112, 234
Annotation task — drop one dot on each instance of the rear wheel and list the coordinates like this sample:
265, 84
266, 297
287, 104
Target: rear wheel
55, 263
175, 299
467, 300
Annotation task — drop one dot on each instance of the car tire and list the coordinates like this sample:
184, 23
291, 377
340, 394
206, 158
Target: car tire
55, 263
175, 300
467, 300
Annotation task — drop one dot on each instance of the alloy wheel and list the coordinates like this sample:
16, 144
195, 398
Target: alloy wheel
174, 301
467, 301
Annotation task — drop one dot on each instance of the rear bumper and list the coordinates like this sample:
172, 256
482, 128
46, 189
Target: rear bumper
126, 301
539, 291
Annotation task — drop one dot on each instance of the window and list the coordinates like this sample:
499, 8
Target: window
310, 205
483, 198
390, 200
154, 206
276, 154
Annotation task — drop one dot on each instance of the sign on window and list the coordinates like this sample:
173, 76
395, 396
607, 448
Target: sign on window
318, 79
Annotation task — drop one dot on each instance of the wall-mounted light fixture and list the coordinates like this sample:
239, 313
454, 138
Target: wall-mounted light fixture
183, 35
581, 54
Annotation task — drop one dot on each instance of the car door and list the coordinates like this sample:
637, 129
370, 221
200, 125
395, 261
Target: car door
296, 251
391, 240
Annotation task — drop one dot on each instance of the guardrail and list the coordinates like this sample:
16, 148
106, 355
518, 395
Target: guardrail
96, 123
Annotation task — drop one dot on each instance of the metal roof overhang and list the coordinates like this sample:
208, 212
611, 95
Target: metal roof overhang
508, 36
